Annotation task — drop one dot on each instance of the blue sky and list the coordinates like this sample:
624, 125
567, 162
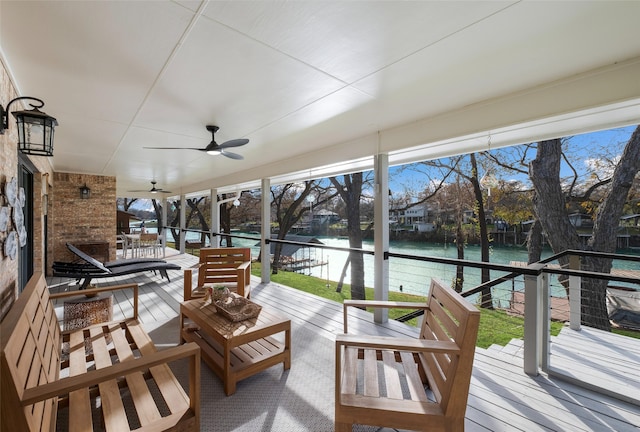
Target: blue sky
581, 147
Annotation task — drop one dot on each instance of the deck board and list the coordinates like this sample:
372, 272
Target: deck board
501, 397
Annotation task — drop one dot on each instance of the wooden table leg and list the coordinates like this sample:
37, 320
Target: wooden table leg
287, 348
229, 380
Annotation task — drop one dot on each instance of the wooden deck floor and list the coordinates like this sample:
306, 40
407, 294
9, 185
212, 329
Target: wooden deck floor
502, 397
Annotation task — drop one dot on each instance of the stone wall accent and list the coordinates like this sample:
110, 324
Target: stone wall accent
81, 220
8, 170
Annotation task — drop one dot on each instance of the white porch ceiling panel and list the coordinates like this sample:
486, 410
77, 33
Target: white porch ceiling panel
313, 84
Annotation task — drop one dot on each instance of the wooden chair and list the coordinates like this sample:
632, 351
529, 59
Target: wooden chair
150, 242
417, 384
230, 267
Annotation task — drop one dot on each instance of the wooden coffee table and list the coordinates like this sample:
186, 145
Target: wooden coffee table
235, 350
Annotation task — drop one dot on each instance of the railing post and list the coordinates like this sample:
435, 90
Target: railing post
214, 208
575, 294
533, 320
545, 324
183, 223
265, 231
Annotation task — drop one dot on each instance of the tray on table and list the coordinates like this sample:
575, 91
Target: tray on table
237, 308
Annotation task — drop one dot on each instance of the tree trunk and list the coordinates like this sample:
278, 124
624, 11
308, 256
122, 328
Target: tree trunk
534, 242
550, 208
350, 193
549, 202
487, 300
343, 274
460, 242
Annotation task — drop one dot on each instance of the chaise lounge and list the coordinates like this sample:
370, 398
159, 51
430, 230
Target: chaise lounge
91, 268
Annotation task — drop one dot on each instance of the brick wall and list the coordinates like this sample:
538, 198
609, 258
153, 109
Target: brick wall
41, 179
8, 170
75, 220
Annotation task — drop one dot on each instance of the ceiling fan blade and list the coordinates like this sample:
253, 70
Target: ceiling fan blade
232, 155
175, 148
234, 143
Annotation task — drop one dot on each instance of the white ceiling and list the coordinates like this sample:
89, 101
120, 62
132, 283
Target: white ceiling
313, 83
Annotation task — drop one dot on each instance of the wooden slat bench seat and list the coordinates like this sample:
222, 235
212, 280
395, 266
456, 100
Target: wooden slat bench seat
417, 384
111, 377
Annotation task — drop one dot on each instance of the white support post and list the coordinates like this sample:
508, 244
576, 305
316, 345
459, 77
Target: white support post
183, 222
545, 324
575, 294
163, 223
381, 235
265, 232
532, 321
214, 238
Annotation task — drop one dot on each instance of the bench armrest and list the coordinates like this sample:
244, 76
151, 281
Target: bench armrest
399, 344
379, 304
89, 291
64, 386
244, 265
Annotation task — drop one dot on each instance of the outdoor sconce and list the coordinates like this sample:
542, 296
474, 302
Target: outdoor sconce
85, 192
236, 203
35, 128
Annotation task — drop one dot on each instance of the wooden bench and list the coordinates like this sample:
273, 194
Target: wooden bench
417, 384
121, 383
230, 267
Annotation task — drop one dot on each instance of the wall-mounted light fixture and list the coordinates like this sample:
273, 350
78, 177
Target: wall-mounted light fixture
35, 128
85, 192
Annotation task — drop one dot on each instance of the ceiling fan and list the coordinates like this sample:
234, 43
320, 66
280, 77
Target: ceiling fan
153, 189
214, 148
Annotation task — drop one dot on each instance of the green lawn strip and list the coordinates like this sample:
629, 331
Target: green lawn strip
496, 326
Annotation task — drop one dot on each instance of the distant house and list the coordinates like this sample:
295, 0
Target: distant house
323, 216
412, 216
123, 220
630, 221
581, 220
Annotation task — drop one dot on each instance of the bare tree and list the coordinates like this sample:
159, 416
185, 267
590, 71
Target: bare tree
350, 190
551, 210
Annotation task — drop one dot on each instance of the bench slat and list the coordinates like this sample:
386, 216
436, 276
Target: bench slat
173, 393
79, 401
113, 412
145, 406
391, 377
371, 373
416, 387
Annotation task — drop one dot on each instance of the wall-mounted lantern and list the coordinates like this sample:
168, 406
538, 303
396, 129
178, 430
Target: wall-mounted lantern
85, 192
35, 128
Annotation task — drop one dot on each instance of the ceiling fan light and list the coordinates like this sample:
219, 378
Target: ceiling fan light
214, 152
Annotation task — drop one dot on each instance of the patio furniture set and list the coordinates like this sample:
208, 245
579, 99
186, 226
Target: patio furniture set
237, 339
141, 244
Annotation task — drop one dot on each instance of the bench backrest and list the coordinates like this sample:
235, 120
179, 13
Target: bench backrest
450, 318
219, 265
31, 342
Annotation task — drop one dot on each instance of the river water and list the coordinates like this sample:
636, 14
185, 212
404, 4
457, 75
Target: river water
414, 276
